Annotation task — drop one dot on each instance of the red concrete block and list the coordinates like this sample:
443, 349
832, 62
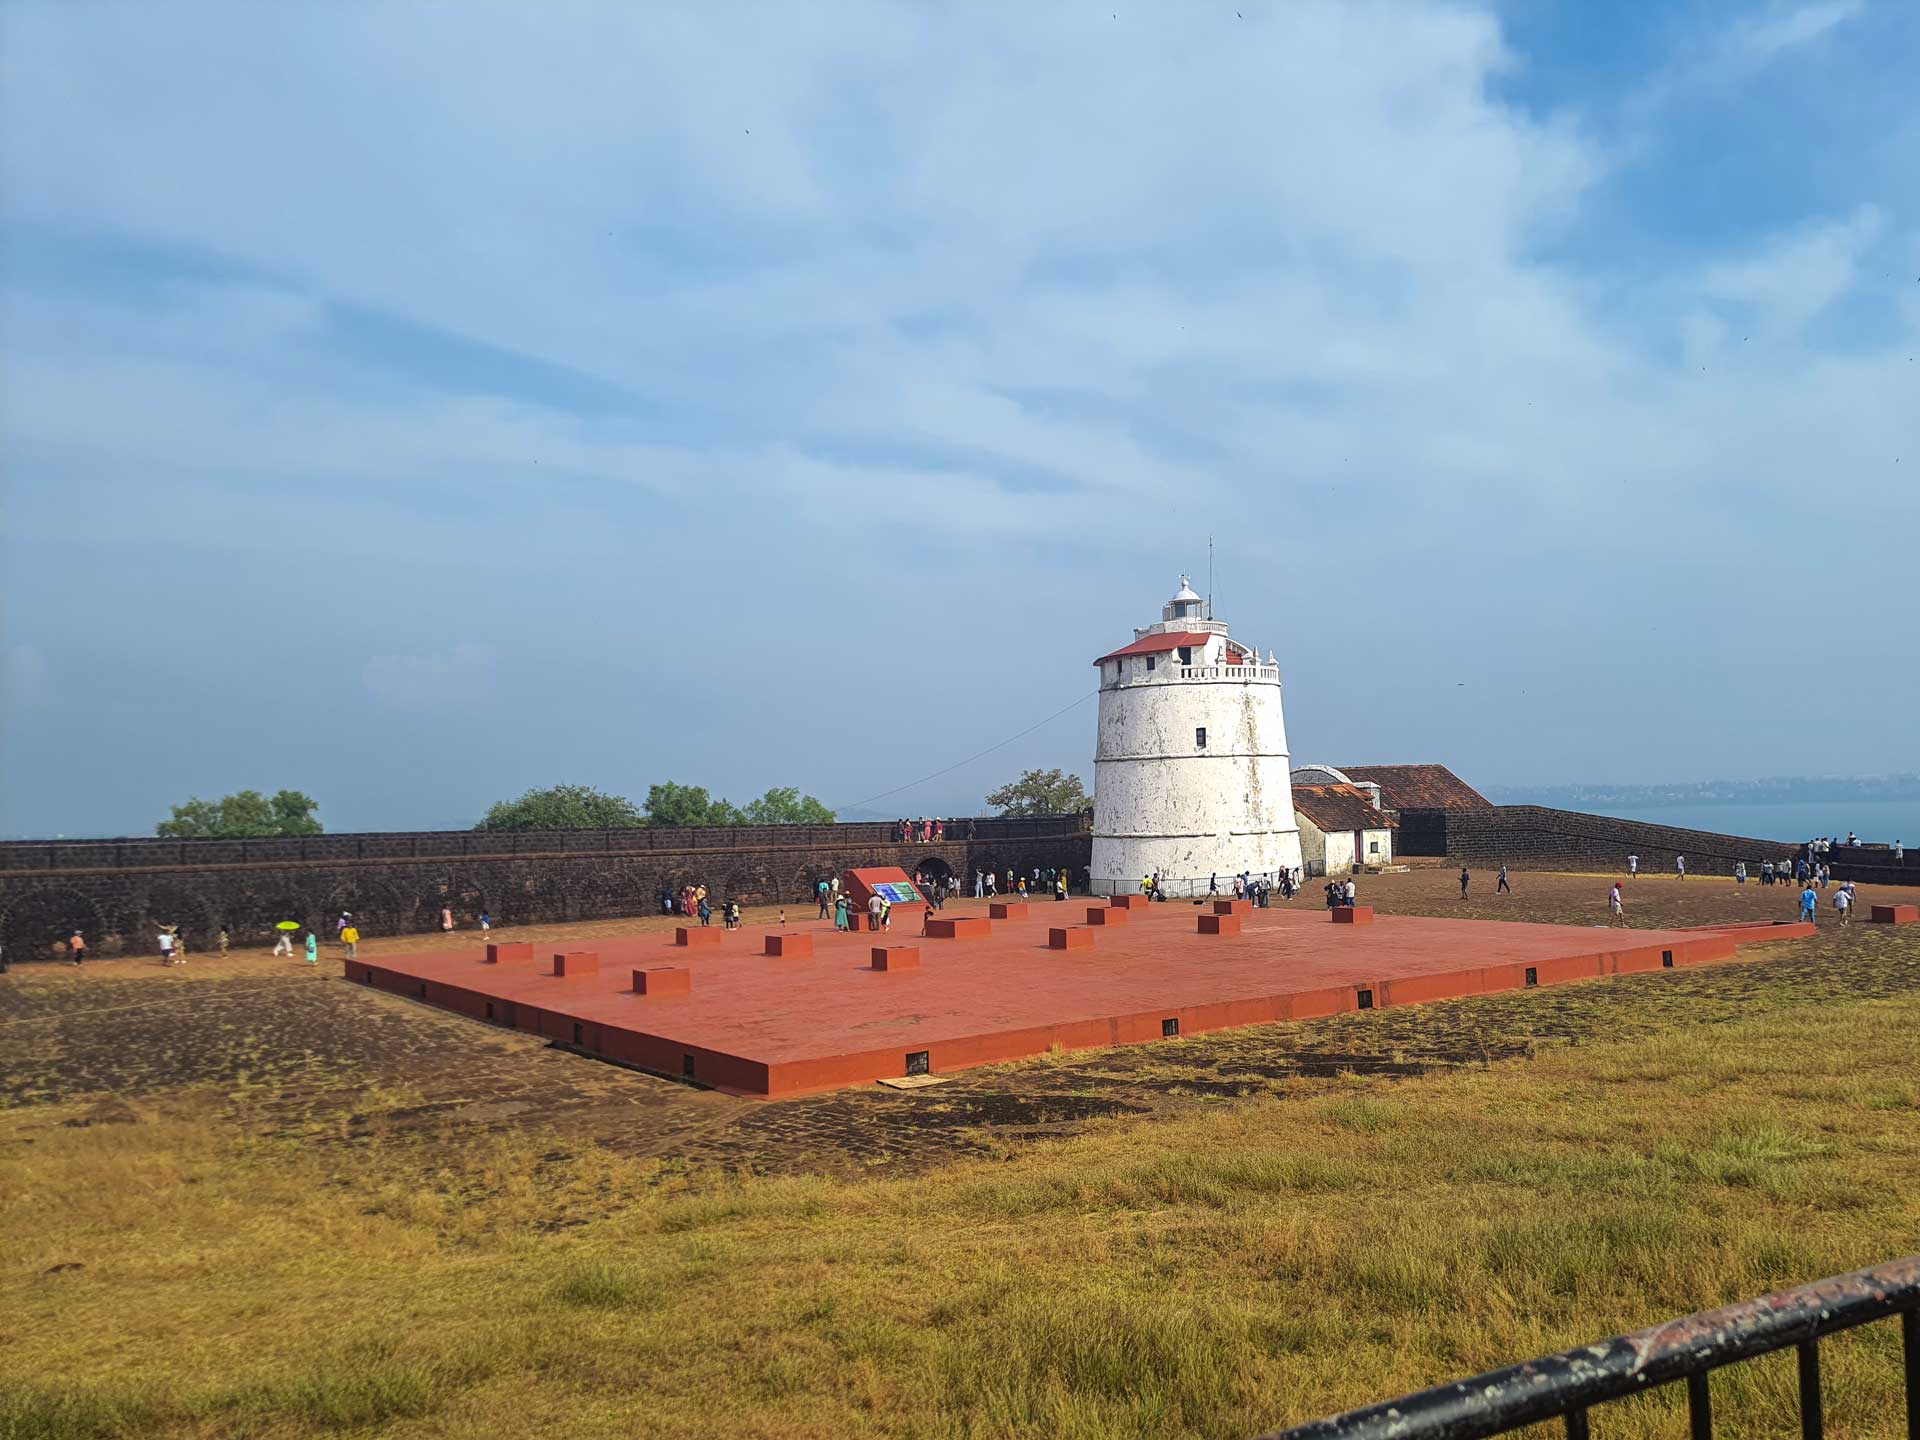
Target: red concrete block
513, 952
1072, 937
663, 980
1008, 909
1233, 907
790, 947
1352, 915
1107, 915
1219, 924
1127, 902
695, 935
860, 920
960, 927
896, 957
572, 964
1894, 915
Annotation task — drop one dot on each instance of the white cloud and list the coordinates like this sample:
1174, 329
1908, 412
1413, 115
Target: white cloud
468, 674
1797, 276
1762, 39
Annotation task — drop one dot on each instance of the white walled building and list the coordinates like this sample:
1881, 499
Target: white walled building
1340, 827
1190, 767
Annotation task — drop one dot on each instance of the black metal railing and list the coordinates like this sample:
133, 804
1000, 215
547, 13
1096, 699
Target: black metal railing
1568, 1385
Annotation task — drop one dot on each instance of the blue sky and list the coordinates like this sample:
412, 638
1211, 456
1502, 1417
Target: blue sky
416, 404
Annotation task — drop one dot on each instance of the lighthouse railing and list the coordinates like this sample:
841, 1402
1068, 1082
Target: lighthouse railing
1230, 672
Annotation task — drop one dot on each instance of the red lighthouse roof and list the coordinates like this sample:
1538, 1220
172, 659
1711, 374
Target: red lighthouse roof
1155, 644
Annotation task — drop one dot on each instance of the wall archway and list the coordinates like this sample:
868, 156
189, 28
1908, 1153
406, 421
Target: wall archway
36, 925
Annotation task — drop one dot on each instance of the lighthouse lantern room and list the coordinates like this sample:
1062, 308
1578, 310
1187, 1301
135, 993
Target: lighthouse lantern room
1190, 767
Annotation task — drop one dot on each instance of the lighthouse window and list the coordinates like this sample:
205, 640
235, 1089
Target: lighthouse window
1186, 655
1200, 738
1149, 664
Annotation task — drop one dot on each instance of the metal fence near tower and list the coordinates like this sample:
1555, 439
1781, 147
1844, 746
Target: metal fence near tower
1567, 1386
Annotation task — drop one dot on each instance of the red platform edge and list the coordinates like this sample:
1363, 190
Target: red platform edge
746, 1076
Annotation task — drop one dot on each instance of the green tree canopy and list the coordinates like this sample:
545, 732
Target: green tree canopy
669, 805
680, 806
244, 815
564, 807
785, 805
1041, 792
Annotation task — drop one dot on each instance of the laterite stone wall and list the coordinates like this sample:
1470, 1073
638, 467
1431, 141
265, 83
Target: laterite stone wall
118, 892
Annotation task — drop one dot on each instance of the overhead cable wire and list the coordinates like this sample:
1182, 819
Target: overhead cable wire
971, 758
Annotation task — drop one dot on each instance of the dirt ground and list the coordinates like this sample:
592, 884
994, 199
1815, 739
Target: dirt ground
285, 1051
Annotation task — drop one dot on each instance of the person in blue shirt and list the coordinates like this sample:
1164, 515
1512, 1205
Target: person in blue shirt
1809, 903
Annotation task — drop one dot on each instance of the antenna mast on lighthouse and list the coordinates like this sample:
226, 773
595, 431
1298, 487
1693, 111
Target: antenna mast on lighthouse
1210, 577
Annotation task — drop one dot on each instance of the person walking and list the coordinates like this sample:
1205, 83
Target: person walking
166, 945
1503, 888
706, 912
1810, 905
313, 948
486, 922
1213, 884
993, 884
1616, 906
225, 941
1633, 865
820, 893
1060, 886
1351, 893
1843, 905
874, 907
840, 913
350, 937
446, 919
1464, 878
76, 947
284, 945
1680, 865
979, 884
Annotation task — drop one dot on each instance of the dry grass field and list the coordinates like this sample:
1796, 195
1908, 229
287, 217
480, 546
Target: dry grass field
240, 1198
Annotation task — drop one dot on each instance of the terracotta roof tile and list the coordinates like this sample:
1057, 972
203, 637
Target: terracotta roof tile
1419, 787
1339, 807
1154, 644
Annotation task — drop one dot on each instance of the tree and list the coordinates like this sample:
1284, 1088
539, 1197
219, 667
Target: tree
244, 815
1041, 792
785, 805
564, 807
680, 806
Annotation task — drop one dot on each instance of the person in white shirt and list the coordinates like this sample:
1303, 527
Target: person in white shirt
1680, 864
1616, 907
874, 907
1843, 905
1633, 864
1353, 892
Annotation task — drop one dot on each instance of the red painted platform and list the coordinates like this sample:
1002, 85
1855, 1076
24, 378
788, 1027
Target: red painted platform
1351, 914
758, 1026
1895, 915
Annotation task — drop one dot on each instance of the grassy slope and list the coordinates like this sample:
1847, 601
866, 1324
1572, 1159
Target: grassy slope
1215, 1274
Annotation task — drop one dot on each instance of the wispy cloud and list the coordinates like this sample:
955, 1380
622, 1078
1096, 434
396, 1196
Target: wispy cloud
468, 674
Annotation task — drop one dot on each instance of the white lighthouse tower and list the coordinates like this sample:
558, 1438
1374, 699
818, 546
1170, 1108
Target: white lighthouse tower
1190, 769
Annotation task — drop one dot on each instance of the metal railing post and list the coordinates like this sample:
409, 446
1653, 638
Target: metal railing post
1812, 1426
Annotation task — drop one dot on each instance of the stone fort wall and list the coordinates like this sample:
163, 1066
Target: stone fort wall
118, 892
1539, 838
